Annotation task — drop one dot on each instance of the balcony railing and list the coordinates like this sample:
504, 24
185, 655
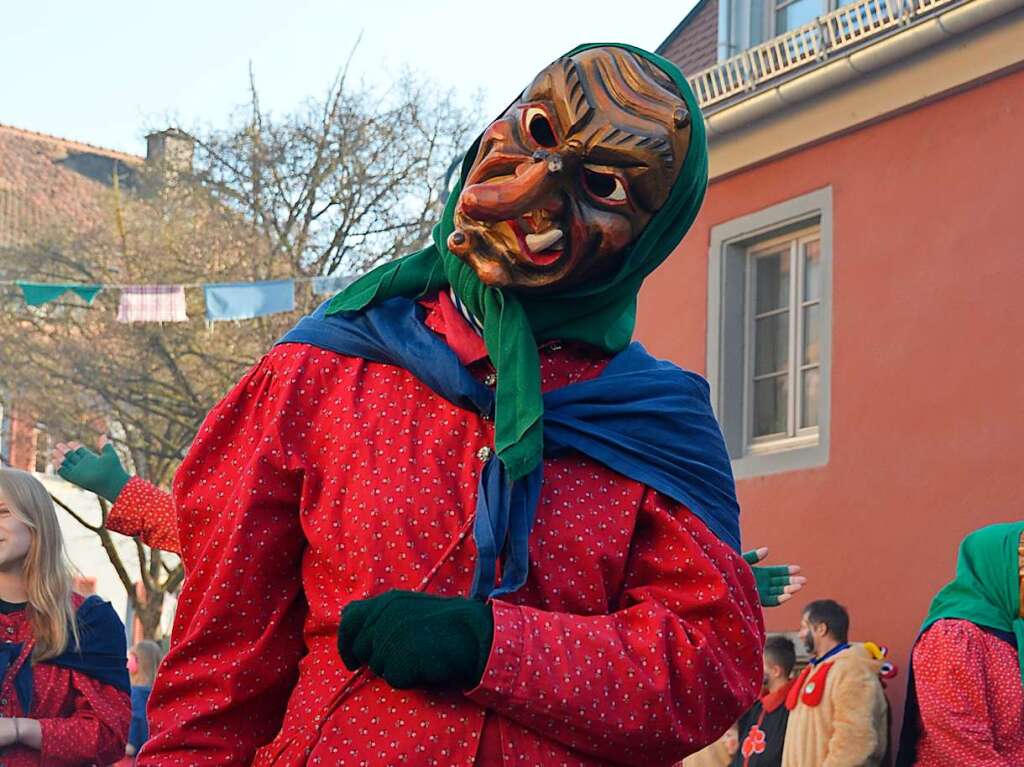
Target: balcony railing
811, 43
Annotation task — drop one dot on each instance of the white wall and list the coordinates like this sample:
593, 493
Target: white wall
84, 548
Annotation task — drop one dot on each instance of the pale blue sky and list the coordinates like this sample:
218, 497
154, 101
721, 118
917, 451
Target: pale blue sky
105, 71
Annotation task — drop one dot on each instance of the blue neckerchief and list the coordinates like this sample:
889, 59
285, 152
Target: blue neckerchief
9, 653
1007, 636
834, 651
643, 418
102, 654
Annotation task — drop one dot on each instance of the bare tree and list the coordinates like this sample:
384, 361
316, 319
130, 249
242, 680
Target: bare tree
345, 183
341, 184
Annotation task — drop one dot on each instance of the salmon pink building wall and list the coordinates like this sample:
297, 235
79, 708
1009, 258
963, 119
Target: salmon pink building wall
927, 383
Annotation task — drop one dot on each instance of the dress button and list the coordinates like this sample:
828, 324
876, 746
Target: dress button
3, 702
484, 453
555, 347
490, 379
10, 629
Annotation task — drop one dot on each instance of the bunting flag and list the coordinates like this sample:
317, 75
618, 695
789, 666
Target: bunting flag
328, 286
39, 293
166, 303
152, 303
245, 300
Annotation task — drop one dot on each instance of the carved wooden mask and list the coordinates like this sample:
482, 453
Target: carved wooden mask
570, 175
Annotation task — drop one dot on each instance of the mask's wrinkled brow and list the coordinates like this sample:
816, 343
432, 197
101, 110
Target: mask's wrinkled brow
616, 82
582, 109
626, 85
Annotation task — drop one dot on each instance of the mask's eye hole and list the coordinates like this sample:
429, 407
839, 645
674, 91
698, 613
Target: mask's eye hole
539, 127
605, 186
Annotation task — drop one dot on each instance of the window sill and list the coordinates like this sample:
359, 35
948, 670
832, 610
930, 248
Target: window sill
766, 447
792, 454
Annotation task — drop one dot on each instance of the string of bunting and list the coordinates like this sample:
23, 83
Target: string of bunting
166, 303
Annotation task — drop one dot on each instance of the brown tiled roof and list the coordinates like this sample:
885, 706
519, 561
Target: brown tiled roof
693, 44
47, 181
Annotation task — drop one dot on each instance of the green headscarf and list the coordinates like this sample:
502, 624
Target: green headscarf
986, 589
601, 314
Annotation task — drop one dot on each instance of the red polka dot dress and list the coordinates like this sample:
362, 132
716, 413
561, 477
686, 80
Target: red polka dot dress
321, 479
82, 720
970, 696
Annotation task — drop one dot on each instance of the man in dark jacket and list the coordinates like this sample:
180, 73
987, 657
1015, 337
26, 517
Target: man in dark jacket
762, 730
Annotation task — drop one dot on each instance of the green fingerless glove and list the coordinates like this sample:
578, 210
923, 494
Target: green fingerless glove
771, 581
413, 640
101, 474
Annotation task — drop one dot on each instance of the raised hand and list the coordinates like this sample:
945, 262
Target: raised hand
414, 640
775, 584
102, 474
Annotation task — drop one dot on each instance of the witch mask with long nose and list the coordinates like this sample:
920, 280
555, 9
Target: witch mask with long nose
568, 177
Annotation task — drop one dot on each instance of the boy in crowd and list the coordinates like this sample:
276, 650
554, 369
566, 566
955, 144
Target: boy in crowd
762, 730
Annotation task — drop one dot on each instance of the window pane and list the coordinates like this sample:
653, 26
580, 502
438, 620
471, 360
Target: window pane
797, 14
812, 334
758, 22
771, 281
811, 385
771, 343
770, 399
812, 270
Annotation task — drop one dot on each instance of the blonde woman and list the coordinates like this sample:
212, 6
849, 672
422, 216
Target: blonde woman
63, 676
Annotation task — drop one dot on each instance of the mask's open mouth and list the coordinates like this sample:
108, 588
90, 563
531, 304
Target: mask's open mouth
545, 248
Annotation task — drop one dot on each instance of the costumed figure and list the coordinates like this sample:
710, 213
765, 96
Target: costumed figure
142, 510
838, 712
455, 516
762, 730
965, 697
63, 677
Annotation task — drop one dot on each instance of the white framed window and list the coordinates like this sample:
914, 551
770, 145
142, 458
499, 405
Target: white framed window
769, 334
783, 341
756, 21
790, 14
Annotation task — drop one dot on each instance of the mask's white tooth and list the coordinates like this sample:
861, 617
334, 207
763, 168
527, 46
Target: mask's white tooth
544, 240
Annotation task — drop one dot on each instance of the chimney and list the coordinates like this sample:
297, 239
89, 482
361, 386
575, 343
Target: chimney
172, 149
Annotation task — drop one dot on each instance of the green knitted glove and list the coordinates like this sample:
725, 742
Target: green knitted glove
413, 640
101, 474
775, 585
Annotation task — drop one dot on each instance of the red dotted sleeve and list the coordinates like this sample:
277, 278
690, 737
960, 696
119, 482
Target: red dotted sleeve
96, 730
953, 693
144, 511
223, 686
676, 662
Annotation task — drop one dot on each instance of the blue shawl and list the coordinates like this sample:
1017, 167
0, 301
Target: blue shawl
102, 653
642, 417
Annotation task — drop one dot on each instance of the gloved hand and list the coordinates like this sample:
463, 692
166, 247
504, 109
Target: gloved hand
775, 585
102, 474
414, 640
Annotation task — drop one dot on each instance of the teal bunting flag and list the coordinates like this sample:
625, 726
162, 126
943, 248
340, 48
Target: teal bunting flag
38, 293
